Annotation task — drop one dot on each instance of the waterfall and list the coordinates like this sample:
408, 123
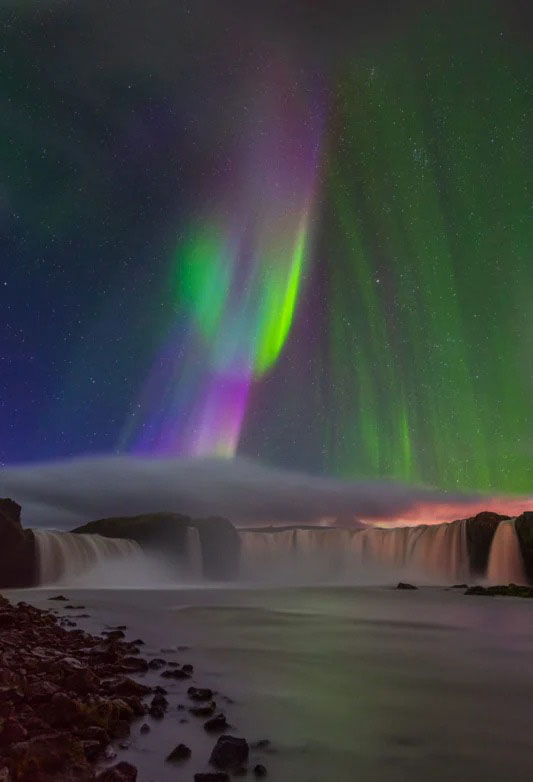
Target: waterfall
506, 565
431, 553
194, 557
64, 556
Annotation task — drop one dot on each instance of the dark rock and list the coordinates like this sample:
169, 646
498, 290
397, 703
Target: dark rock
145, 728
160, 690
159, 700
130, 687
63, 711
188, 668
58, 597
179, 753
82, 682
135, 664
156, 663
478, 590
12, 731
92, 750
18, 557
113, 635
404, 585
212, 777
205, 710
480, 531
122, 772
120, 729
157, 712
75, 608
175, 673
216, 724
229, 752
96, 733
509, 590
524, 531
260, 770
200, 694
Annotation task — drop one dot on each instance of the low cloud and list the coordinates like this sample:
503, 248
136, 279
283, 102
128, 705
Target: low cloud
65, 494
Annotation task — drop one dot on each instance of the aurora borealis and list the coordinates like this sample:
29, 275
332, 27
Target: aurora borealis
237, 278
309, 242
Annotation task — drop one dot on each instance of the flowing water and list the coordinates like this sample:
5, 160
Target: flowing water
351, 684
86, 560
505, 560
427, 554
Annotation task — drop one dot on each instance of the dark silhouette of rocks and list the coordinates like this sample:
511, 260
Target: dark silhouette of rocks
205, 710
503, 590
404, 585
18, 559
63, 698
216, 724
217, 776
229, 753
122, 772
260, 771
179, 754
524, 530
200, 694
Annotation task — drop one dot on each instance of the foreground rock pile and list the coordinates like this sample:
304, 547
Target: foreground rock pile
67, 696
64, 696
504, 590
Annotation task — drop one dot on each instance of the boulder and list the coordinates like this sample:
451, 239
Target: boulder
18, 559
216, 724
179, 753
229, 753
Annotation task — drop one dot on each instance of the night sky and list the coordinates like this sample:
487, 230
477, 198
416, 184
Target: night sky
301, 233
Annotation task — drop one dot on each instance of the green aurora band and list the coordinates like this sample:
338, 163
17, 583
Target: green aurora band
429, 262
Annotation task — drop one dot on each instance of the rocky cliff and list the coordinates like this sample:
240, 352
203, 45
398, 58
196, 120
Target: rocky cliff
18, 562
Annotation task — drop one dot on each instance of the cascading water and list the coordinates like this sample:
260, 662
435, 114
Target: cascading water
506, 565
64, 556
194, 558
432, 553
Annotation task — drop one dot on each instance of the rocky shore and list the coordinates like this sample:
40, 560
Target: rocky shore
68, 700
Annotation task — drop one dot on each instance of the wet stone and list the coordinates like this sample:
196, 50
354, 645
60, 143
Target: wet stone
200, 694
216, 724
180, 753
229, 752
